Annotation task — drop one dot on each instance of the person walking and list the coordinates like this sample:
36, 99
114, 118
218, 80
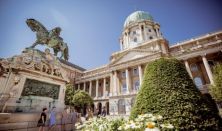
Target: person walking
73, 119
64, 119
52, 119
42, 121
104, 112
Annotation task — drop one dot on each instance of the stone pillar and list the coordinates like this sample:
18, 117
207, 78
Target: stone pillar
125, 39
128, 38
157, 32
90, 88
207, 67
84, 86
111, 84
104, 87
145, 33
140, 74
97, 87
121, 44
141, 32
79, 86
188, 68
115, 83
128, 85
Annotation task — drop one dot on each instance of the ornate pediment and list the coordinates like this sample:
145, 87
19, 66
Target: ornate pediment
130, 55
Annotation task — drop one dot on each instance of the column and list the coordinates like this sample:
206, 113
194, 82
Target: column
97, 87
90, 88
111, 84
207, 67
157, 32
140, 74
79, 86
121, 44
128, 38
145, 33
104, 87
141, 32
188, 68
127, 81
115, 83
84, 86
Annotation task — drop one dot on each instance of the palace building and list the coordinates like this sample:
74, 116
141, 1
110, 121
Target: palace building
36, 79
116, 84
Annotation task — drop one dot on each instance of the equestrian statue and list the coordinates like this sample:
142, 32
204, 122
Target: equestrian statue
49, 38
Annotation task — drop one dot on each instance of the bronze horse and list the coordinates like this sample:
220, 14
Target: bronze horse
50, 38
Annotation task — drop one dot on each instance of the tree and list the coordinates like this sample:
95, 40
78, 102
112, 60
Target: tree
69, 93
216, 89
81, 99
168, 90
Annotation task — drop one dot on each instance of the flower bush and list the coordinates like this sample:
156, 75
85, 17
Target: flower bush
144, 122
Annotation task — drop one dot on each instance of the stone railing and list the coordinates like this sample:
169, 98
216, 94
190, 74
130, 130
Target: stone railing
196, 43
92, 73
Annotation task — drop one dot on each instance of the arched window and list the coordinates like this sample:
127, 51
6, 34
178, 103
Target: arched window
193, 68
135, 39
198, 82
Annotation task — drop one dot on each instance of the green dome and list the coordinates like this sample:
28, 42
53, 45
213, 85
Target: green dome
136, 17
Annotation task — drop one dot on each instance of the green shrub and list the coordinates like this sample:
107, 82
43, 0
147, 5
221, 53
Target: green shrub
216, 89
167, 90
69, 93
81, 99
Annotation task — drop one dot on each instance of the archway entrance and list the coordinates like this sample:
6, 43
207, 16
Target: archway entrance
99, 106
121, 106
107, 108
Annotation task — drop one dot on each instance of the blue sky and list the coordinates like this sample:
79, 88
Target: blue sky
92, 27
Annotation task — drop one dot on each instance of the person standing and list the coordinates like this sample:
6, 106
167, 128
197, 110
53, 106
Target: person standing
64, 119
52, 119
104, 112
73, 118
42, 120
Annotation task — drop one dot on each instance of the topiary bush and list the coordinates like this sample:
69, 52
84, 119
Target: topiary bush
168, 90
216, 89
81, 99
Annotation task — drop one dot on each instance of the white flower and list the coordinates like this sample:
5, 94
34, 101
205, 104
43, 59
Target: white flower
153, 129
153, 118
159, 117
120, 128
169, 126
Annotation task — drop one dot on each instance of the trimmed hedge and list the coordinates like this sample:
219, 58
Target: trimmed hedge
81, 99
168, 90
216, 89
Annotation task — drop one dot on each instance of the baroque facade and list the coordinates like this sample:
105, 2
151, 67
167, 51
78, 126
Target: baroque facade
116, 84
36, 79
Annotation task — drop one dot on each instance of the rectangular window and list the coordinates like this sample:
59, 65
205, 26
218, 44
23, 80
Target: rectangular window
135, 71
123, 74
136, 85
124, 89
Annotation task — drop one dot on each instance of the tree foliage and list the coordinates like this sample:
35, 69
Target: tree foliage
168, 90
81, 99
216, 89
69, 93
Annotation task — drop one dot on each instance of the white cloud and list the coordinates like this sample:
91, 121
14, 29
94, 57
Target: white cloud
60, 18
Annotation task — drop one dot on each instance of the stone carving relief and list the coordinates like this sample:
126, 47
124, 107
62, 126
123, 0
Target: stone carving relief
38, 88
33, 59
